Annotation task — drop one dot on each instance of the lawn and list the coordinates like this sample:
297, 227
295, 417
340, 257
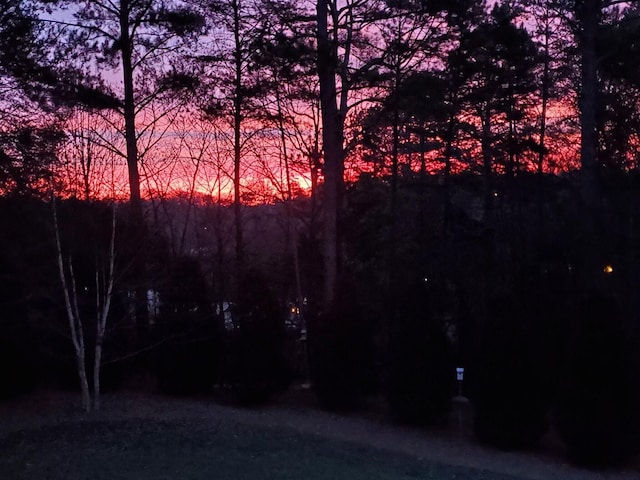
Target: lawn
183, 450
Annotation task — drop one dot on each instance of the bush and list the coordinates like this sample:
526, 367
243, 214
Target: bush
510, 387
340, 352
186, 361
597, 410
17, 346
17, 373
186, 364
420, 370
255, 365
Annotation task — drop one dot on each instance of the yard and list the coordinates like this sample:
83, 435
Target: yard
140, 437
177, 450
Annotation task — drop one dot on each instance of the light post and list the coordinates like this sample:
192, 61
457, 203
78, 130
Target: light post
460, 378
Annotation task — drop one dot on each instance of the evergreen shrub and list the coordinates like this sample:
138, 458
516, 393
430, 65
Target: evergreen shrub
598, 402
420, 368
510, 386
340, 352
186, 360
255, 365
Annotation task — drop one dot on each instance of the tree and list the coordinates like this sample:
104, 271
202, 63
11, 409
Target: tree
283, 56
498, 60
340, 27
619, 111
230, 95
419, 104
88, 157
132, 40
28, 154
27, 64
103, 291
554, 73
590, 22
597, 417
27, 147
332, 141
190, 346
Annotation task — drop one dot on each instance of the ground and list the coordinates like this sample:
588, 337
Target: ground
140, 436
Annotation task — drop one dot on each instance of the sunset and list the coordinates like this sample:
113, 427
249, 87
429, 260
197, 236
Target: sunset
319, 239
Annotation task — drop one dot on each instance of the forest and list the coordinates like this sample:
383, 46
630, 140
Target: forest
357, 195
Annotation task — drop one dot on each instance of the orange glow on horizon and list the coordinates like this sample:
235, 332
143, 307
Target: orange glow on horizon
191, 156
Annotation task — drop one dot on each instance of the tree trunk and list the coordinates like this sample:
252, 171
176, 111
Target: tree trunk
332, 137
129, 111
84, 382
589, 20
291, 237
135, 200
487, 160
73, 314
545, 99
97, 362
237, 124
448, 153
103, 306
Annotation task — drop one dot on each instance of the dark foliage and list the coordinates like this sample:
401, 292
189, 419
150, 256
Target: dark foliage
24, 270
498, 298
17, 370
340, 351
33, 317
420, 377
255, 366
186, 361
27, 158
25, 57
512, 388
598, 402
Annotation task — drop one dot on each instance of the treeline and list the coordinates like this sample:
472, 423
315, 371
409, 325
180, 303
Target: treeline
548, 340
257, 100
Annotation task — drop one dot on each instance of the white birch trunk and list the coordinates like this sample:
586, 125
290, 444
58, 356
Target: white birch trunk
75, 323
103, 305
103, 313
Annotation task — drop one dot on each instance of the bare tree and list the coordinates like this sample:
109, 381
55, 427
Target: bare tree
89, 158
104, 286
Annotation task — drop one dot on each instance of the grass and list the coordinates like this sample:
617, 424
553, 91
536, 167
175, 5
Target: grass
144, 450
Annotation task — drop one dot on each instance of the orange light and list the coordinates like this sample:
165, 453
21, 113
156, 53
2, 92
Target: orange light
608, 269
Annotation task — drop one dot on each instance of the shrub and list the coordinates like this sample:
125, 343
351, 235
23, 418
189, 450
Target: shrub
254, 360
597, 408
186, 364
187, 358
510, 388
340, 352
420, 368
17, 346
17, 373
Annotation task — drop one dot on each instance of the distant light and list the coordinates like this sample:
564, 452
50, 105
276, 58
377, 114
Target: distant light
426, 279
608, 269
495, 194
